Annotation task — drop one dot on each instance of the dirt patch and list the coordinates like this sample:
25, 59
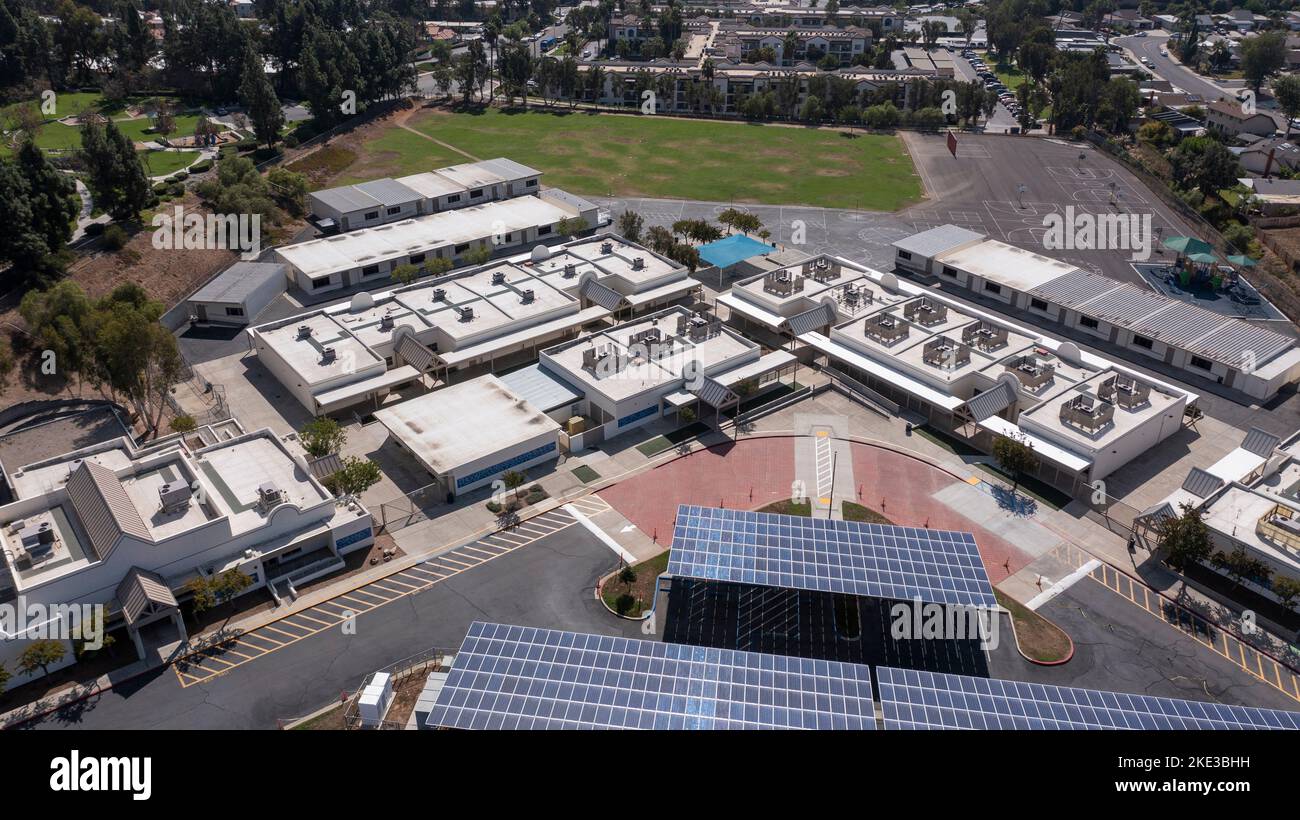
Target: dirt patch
1039, 639
642, 589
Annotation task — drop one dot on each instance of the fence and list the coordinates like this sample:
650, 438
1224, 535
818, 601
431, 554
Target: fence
410, 508
433, 658
373, 112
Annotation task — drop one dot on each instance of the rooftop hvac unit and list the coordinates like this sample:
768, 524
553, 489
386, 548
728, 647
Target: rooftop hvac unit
606, 247
498, 277
526, 296
269, 495
386, 322
638, 262
570, 270
174, 495
466, 314
304, 331
16, 527
327, 355
439, 294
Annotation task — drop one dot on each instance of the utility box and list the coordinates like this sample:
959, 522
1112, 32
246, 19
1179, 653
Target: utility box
373, 703
575, 425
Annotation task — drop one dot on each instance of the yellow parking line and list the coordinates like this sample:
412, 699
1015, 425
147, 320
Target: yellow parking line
262, 637
392, 579
315, 620
361, 601
218, 660
233, 651
434, 575
289, 635
463, 564
397, 593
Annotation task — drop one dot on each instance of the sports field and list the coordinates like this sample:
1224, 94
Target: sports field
632, 156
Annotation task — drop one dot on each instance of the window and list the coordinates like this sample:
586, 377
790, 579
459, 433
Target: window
476, 193
372, 215
396, 210
992, 287
947, 271
461, 248
1038, 304
1142, 341
532, 183
234, 311
509, 238
320, 283
1089, 322
417, 258
453, 198
1204, 364
370, 270
544, 230
904, 255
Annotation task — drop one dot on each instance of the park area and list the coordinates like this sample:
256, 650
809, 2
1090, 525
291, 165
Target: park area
637, 156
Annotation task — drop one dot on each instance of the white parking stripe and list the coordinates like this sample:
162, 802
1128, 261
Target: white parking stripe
1063, 584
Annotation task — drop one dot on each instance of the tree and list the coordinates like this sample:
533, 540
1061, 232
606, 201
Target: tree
627, 576
135, 356
405, 274
1286, 589
183, 424
1240, 566
116, 178
38, 206
60, 321
477, 256
1287, 91
1014, 455
1204, 164
5, 676
41, 655
289, 189
571, 226
513, 480
630, 224
207, 592
355, 477
258, 97
322, 437
1185, 540
1262, 56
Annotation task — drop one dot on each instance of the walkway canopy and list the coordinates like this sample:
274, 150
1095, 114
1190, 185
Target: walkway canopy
1187, 245
735, 248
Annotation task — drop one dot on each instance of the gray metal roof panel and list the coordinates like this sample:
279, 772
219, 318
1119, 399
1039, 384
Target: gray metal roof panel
1237, 344
603, 295
414, 352
1260, 442
236, 282
1070, 289
389, 191
992, 401
812, 319
510, 169
1180, 324
1125, 305
103, 507
1201, 483
139, 589
937, 240
714, 393
346, 198
541, 388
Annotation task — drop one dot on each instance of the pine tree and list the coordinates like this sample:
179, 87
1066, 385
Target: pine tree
259, 98
117, 179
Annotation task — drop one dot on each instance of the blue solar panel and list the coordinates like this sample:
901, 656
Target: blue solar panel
515, 677
912, 699
794, 552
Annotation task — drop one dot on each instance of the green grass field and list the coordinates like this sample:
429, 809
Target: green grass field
649, 157
158, 163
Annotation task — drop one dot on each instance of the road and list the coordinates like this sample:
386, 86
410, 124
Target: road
1176, 73
1002, 120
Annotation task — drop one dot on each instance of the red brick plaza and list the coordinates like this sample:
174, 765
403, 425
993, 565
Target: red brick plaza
755, 472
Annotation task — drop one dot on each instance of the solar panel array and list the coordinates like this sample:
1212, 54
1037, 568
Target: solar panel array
912, 699
794, 552
513, 677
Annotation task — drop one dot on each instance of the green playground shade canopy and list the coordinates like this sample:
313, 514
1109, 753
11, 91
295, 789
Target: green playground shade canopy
1187, 244
1242, 260
1203, 258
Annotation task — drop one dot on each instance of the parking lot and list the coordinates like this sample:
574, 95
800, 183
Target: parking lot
981, 189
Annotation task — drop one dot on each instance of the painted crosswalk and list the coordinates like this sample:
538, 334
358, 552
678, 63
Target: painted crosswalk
204, 665
825, 455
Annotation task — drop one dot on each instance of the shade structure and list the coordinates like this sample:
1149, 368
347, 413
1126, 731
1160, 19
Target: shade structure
1203, 258
1241, 260
1187, 244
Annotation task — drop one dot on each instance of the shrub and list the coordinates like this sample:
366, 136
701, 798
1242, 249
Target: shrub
160, 188
179, 176
176, 189
115, 237
95, 229
201, 166
623, 604
291, 141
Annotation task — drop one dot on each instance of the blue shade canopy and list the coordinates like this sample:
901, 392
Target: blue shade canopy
735, 248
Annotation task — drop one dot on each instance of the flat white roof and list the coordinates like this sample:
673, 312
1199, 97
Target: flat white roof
368, 246
305, 353
464, 423
1005, 264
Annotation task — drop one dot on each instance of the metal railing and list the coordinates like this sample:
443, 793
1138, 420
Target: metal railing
434, 658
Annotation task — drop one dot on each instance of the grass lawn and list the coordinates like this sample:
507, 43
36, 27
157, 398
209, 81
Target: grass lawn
585, 474
642, 589
666, 157
866, 515
947, 442
396, 152
1032, 487
159, 163
1038, 637
658, 444
803, 508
